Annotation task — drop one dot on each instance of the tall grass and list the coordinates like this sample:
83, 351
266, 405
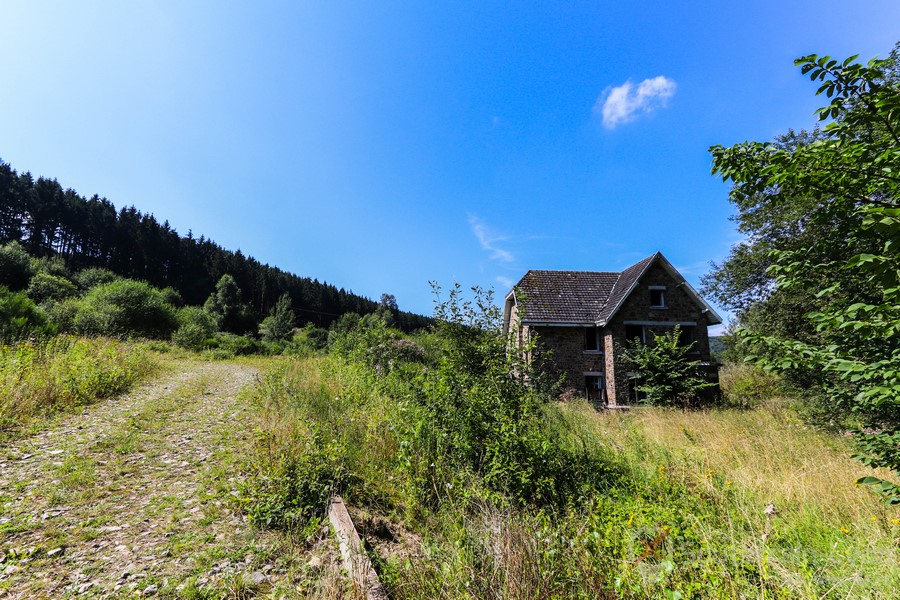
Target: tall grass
717, 504
62, 373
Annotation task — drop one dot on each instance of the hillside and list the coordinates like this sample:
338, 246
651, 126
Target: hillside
51, 221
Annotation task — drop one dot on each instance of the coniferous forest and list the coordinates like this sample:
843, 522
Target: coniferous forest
48, 220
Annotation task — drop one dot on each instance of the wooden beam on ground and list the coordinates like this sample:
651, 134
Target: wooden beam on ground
356, 561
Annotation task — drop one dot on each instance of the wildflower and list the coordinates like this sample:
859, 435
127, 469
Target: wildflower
874, 518
845, 530
727, 484
631, 519
895, 521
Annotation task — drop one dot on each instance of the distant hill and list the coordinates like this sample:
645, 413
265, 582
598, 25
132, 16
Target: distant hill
49, 220
716, 346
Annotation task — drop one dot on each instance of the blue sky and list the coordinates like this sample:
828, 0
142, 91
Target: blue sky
378, 146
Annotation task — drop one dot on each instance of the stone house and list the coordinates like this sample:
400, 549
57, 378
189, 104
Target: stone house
585, 318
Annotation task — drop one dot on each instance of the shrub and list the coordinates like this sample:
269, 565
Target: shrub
94, 276
236, 345
749, 386
123, 308
664, 372
485, 411
279, 325
44, 286
20, 318
293, 480
195, 327
51, 265
15, 267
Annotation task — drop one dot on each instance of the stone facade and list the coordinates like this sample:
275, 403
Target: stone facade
565, 344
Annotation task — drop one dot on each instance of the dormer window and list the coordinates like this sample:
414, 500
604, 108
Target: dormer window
657, 296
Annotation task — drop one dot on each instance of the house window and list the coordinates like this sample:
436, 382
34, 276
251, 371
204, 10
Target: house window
657, 296
591, 339
595, 388
688, 336
635, 332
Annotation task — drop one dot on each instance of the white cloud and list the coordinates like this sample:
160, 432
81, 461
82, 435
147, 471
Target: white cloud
623, 103
488, 240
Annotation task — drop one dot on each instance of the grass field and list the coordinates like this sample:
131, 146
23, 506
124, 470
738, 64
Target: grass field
721, 503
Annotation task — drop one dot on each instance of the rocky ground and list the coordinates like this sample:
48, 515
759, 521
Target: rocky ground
135, 497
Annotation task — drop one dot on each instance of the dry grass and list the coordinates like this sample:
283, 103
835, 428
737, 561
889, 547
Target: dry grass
760, 456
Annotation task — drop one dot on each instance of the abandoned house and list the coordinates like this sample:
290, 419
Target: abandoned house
584, 318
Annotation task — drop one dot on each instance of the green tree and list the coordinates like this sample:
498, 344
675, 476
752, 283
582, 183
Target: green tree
15, 266
195, 326
226, 305
664, 372
279, 325
854, 172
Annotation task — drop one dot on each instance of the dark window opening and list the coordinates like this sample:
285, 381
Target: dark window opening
688, 337
633, 332
657, 298
595, 388
591, 339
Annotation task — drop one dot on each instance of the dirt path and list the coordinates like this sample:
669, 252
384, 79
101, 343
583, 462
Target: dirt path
131, 497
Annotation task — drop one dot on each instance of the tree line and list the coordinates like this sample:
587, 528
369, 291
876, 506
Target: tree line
48, 221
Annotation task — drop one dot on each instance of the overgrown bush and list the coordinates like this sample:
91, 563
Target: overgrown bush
292, 482
486, 412
94, 276
664, 371
195, 327
15, 267
748, 386
20, 318
125, 308
44, 286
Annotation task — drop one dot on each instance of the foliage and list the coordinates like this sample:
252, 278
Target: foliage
664, 371
279, 325
687, 516
49, 220
124, 308
229, 310
852, 171
20, 318
61, 373
748, 386
44, 286
484, 410
94, 276
15, 266
195, 327
293, 481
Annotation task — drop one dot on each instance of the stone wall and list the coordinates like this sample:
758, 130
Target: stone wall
680, 307
563, 350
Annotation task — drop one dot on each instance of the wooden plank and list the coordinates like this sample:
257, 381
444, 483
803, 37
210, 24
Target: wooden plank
355, 559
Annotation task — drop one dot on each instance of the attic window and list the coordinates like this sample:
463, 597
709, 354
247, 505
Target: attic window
657, 296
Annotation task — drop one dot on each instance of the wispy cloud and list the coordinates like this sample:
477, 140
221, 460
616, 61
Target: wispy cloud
505, 282
624, 103
489, 240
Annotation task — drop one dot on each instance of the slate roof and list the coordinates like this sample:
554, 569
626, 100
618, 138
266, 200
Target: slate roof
577, 297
